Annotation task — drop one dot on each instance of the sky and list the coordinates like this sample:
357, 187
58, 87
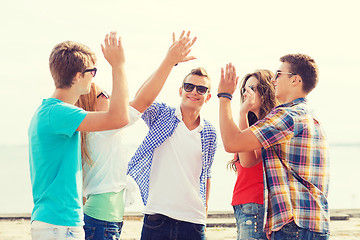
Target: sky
250, 34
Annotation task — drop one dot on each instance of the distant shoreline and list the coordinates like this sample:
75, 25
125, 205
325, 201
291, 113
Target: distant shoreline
335, 215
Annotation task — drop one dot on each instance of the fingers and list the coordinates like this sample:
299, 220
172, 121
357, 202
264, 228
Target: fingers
182, 34
106, 40
173, 37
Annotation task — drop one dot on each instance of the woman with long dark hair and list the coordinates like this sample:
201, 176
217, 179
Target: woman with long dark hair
257, 100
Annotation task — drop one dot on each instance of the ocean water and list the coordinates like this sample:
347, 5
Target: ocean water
344, 193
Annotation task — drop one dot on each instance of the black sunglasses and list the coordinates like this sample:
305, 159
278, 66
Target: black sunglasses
103, 93
252, 87
92, 71
278, 72
189, 87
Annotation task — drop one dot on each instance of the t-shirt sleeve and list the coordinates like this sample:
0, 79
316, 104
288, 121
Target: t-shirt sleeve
276, 128
66, 118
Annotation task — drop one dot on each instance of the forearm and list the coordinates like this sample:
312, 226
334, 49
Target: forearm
119, 102
227, 124
234, 140
247, 159
151, 88
208, 183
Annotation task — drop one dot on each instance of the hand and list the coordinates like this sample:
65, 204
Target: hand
113, 50
180, 49
249, 101
228, 80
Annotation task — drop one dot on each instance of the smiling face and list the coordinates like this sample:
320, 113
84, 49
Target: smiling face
193, 99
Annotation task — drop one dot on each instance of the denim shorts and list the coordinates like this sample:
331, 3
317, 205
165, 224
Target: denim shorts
98, 229
249, 221
160, 227
45, 231
293, 232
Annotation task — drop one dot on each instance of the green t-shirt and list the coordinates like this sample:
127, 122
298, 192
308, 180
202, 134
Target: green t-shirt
106, 206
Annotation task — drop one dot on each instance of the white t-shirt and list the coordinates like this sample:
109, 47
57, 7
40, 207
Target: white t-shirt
109, 156
174, 187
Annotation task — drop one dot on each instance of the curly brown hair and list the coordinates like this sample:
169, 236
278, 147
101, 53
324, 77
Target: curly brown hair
267, 97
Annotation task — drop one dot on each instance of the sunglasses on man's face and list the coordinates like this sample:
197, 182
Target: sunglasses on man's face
91, 70
278, 72
189, 87
252, 87
103, 93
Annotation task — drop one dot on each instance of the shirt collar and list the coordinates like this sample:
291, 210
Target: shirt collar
179, 116
294, 102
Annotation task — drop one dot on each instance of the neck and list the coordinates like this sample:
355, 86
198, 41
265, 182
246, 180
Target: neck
292, 97
191, 118
66, 95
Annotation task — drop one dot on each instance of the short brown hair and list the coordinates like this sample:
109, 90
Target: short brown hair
67, 59
305, 67
200, 71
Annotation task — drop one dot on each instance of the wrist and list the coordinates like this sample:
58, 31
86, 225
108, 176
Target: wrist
224, 95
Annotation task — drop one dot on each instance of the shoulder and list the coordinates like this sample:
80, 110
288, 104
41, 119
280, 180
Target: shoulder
161, 107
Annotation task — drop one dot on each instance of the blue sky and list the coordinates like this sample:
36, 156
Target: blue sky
250, 34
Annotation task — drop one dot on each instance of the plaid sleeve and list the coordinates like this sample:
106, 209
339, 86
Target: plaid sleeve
152, 113
276, 128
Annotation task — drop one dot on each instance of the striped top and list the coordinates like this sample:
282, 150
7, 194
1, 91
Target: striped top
296, 168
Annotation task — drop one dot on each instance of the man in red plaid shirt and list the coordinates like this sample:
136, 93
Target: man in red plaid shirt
294, 150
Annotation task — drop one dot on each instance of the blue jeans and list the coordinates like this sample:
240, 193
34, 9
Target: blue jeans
292, 231
160, 227
249, 221
98, 229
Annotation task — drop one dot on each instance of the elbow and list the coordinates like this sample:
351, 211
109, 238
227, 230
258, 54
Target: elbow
119, 122
123, 121
229, 146
230, 149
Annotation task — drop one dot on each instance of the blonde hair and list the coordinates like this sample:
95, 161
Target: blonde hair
87, 102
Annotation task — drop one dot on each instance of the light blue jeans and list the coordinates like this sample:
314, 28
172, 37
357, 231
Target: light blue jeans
46, 231
249, 221
293, 232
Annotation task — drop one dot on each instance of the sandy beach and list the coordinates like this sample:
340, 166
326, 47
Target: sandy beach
345, 224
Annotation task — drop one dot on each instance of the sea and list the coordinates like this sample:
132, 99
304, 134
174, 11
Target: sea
16, 196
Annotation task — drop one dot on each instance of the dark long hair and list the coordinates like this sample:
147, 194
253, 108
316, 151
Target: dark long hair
267, 97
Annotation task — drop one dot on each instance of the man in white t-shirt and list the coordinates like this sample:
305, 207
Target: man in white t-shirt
172, 165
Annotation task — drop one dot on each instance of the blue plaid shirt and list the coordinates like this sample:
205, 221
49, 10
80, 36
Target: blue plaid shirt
162, 121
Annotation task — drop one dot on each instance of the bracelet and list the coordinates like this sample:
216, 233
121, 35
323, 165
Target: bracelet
225, 95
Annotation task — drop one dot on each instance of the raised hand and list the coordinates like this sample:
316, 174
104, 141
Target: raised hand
180, 49
113, 50
228, 79
248, 101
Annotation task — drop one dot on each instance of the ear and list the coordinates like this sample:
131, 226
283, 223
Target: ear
77, 77
297, 79
180, 91
208, 97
